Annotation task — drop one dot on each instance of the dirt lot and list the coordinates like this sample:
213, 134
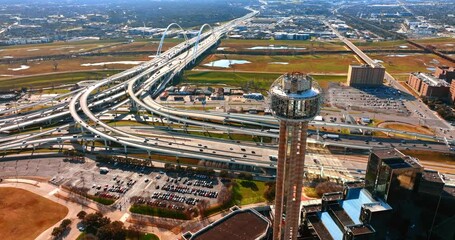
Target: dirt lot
405, 127
24, 215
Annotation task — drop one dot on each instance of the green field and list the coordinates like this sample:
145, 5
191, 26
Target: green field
407, 63
260, 81
316, 64
50, 80
159, 212
385, 45
250, 192
243, 44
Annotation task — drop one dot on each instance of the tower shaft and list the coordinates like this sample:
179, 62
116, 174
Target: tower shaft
289, 181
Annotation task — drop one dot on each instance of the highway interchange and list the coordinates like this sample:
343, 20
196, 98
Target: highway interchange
137, 87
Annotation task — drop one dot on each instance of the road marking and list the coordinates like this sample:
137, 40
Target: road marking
124, 217
53, 192
150, 183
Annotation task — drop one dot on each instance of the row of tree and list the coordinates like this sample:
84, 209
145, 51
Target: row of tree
443, 109
100, 227
57, 232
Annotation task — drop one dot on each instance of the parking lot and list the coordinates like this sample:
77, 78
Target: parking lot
178, 191
141, 185
380, 99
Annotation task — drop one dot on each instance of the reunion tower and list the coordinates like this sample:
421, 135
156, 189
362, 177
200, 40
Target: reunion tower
295, 100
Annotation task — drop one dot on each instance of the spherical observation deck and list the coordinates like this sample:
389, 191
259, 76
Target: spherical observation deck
295, 97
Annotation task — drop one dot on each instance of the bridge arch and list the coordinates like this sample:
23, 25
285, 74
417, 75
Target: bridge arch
199, 38
158, 52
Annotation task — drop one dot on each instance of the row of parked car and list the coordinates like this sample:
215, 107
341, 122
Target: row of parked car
175, 198
188, 190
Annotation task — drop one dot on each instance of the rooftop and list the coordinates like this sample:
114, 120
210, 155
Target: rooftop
353, 206
312, 208
361, 229
319, 228
449, 191
377, 206
431, 80
341, 215
387, 153
238, 225
355, 184
332, 196
432, 176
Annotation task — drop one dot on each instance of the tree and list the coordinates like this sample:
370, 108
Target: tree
224, 174
89, 237
81, 215
57, 232
94, 221
134, 232
55, 64
65, 223
328, 187
246, 176
269, 193
112, 231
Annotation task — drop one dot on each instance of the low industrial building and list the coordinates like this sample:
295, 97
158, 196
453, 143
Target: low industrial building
427, 85
365, 75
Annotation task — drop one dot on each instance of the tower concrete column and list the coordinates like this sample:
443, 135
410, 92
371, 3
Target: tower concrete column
295, 100
280, 181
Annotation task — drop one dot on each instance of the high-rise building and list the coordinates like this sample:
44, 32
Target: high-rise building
365, 75
295, 100
391, 175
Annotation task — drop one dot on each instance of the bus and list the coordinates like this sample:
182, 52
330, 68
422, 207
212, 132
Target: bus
331, 136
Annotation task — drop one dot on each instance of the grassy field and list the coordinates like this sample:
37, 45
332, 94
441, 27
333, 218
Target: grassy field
243, 192
407, 63
243, 44
141, 45
159, 212
445, 44
24, 215
320, 64
261, 81
59, 48
70, 64
250, 191
385, 45
53, 79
